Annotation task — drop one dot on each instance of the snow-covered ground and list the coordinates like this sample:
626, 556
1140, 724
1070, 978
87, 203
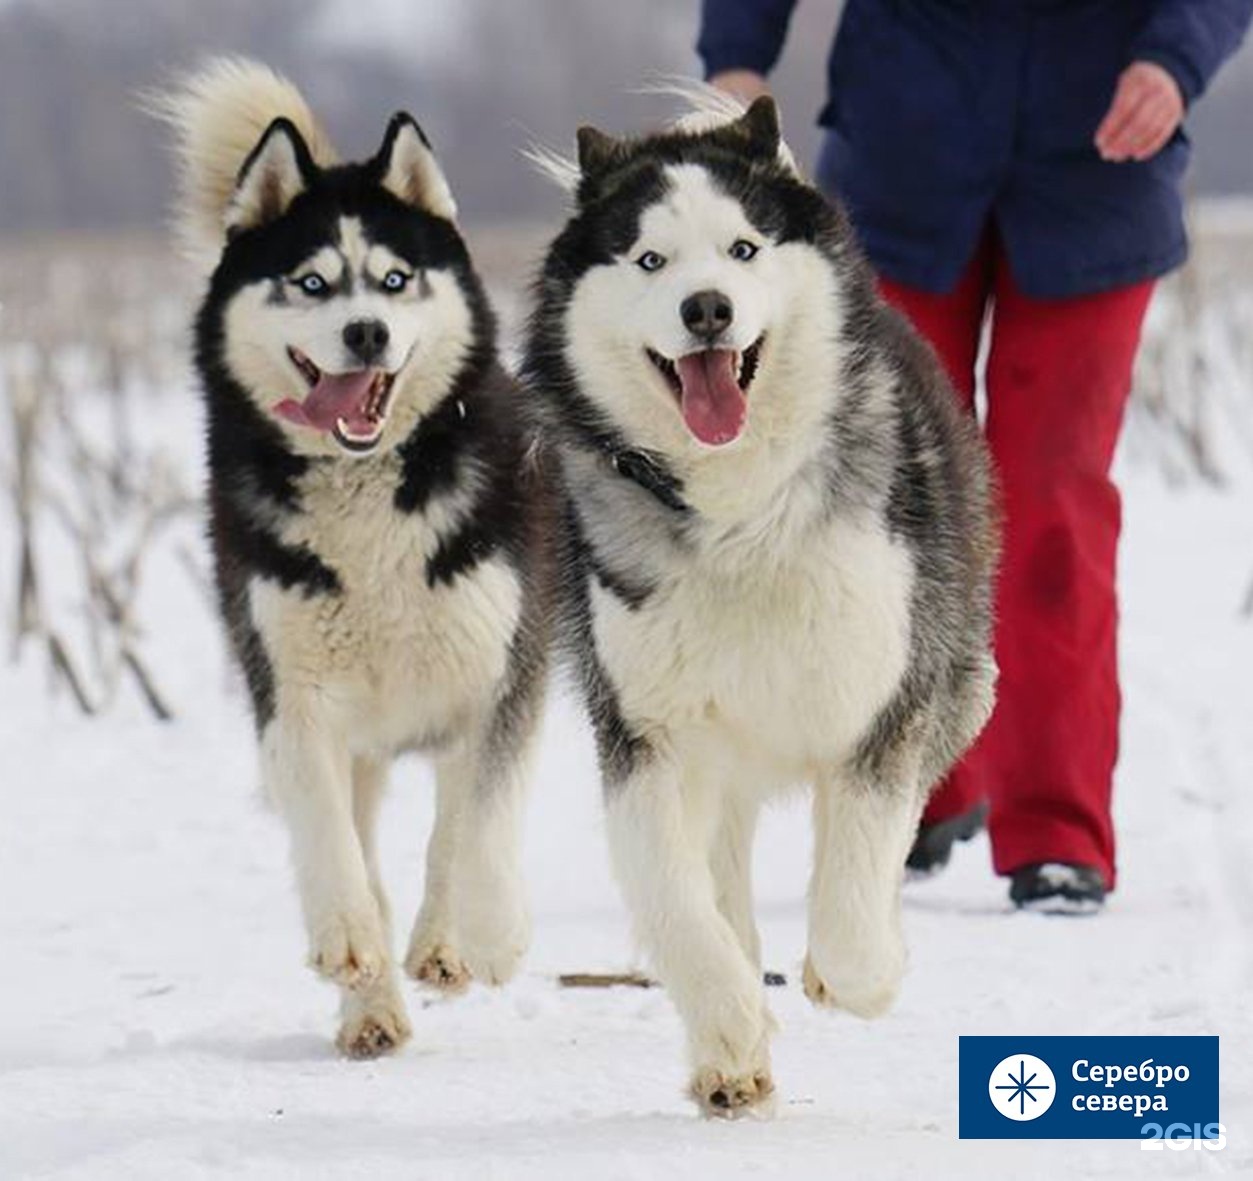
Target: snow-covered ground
156, 1020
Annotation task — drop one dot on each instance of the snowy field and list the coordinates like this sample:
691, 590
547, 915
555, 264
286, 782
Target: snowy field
156, 1020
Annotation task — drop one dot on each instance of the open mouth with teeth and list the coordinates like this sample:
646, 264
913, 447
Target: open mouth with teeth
712, 388
351, 407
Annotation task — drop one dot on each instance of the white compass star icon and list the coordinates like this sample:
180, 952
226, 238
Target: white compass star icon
1022, 1087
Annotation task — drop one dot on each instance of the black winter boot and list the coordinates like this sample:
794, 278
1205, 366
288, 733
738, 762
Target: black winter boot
934, 843
1054, 887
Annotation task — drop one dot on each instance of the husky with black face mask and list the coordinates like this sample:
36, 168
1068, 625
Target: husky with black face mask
783, 551
377, 521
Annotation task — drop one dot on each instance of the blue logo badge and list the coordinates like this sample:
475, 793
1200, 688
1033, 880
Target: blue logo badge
1103, 1088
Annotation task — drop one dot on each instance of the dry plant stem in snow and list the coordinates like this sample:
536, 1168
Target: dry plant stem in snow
110, 504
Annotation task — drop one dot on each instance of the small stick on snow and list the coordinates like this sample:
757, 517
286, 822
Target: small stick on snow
605, 980
639, 980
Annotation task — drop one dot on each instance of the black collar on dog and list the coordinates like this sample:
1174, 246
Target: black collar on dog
640, 468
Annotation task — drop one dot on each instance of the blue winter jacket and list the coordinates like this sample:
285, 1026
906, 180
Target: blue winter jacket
943, 113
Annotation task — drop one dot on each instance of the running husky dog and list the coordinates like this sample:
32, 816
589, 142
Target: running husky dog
378, 528
782, 552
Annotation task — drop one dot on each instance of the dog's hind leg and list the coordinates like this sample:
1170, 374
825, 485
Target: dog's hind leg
659, 838
492, 917
732, 861
374, 1020
492, 771
432, 958
474, 921
862, 833
309, 778
369, 779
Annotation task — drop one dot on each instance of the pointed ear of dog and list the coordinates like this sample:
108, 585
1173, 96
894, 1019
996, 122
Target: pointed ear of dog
275, 173
760, 126
598, 152
407, 169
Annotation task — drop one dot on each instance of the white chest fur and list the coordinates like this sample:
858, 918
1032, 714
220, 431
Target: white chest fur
782, 658
402, 662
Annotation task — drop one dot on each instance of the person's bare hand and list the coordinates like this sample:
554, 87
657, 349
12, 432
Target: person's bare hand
1147, 108
746, 85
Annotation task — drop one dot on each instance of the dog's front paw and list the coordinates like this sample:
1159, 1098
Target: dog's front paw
494, 939
723, 1096
438, 967
373, 1025
496, 965
348, 948
867, 992
729, 1047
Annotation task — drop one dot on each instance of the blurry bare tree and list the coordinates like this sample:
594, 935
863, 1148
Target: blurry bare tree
1194, 376
91, 494
482, 75
78, 154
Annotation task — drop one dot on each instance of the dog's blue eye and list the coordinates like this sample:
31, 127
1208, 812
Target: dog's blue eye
312, 284
650, 260
395, 281
742, 250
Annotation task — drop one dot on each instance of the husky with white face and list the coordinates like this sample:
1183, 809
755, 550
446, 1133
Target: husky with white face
783, 550
380, 531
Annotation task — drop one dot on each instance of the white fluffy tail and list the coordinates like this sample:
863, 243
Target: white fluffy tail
219, 114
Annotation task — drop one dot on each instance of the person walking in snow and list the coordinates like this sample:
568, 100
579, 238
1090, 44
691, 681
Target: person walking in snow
1020, 160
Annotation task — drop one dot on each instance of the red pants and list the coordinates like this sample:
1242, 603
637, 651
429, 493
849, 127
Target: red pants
1058, 375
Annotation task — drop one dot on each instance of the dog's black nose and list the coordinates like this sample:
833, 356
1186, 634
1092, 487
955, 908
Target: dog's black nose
707, 313
366, 339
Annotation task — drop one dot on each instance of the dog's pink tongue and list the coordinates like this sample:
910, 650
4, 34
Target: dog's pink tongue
713, 405
337, 395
